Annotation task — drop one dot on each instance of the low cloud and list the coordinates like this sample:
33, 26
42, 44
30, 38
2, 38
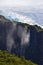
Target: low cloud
29, 18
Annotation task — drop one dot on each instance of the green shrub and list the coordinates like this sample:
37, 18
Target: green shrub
11, 59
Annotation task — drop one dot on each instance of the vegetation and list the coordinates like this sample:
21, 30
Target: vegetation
11, 59
38, 28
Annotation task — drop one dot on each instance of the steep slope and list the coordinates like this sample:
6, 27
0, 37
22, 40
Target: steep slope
7, 58
22, 39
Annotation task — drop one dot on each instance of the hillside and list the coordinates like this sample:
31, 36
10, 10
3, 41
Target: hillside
22, 39
11, 59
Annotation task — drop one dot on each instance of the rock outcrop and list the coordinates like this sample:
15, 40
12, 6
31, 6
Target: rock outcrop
22, 39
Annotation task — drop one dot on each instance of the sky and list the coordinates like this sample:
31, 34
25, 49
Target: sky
26, 6
21, 3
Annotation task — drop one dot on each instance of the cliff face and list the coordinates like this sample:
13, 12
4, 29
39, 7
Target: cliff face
40, 41
21, 39
35, 49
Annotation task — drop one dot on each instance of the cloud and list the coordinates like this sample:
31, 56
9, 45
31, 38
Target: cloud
15, 16
9, 38
10, 14
25, 37
12, 3
21, 3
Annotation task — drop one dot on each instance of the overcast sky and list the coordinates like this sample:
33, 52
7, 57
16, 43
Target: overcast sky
21, 3
25, 6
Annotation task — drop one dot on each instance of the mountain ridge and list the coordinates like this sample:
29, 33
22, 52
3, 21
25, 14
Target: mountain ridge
38, 28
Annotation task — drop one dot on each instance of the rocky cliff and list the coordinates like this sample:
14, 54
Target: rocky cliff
22, 39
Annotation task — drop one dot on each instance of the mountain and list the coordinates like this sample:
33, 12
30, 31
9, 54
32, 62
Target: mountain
22, 39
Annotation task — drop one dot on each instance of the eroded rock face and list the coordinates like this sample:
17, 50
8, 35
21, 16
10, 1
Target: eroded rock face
16, 36
22, 40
